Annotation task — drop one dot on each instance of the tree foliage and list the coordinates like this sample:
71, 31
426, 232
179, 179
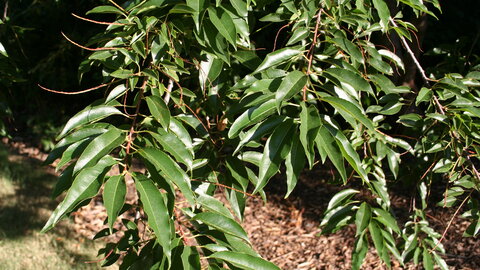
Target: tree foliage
208, 97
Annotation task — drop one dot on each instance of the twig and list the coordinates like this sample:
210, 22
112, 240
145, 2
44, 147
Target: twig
97, 22
412, 55
87, 48
450, 222
310, 51
99, 260
278, 33
74, 93
118, 6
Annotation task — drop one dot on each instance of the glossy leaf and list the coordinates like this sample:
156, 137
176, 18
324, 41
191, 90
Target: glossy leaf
251, 116
259, 130
153, 202
172, 171
325, 140
99, 147
294, 163
159, 110
88, 115
224, 24
348, 108
222, 223
278, 57
175, 147
291, 85
362, 218
310, 123
85, 186
244, 261
276, 150
114, 197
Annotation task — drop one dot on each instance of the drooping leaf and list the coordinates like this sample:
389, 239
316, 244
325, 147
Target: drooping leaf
244, 261
175, 147
114, 197
348, 108
362, 218
172, 171
222, 223
275, 151
88, 115
278, 57
99, 147
325, 140
224, 24
153, 202
259, 130
291, 84
310, 123
86, 185
159, 110
251, 117
294, 163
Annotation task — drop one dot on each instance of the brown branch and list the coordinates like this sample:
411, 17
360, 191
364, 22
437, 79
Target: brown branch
87, 48
278, 33
99, 260
97, 22
310, 51
76, 92
118, 6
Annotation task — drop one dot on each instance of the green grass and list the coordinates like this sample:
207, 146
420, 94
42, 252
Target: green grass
25, 205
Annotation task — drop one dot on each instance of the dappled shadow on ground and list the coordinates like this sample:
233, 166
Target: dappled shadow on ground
25, 205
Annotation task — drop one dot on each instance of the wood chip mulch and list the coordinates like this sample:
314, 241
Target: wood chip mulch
286, 231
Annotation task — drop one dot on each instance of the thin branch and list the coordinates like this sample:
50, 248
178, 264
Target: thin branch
278, 33
99, 260
118, 6
412, 55
310, 51
87, 48
450, 222
97, 22
76, 92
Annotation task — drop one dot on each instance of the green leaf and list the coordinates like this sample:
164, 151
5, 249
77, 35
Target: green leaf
72, 151
383, 13
427, 259
222, 223
325, 140
179, 130
172, 171
351, 82
251, 117
387, 219
340, 198
114, 197
309, 125
360, 251
224, 24
122, 73
176, 148
85, 186
278, 57
116, 92
99, 147
348, 151
153, 202
238, 171
105, 9
425, 94
244, 261
259, 130
291, 85
275, 151
349, 109
159, 110
362, 218
350, 48
294, 164
64, 181
88, 115
212, 204
377, 237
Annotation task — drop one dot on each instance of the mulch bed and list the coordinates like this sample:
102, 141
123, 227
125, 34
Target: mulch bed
286, 231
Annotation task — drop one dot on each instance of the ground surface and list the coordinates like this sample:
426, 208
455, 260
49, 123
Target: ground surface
284, 231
